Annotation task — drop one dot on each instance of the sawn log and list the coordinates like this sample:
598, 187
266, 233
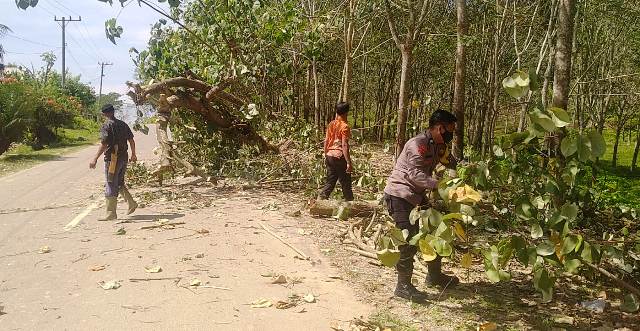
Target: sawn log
328, 208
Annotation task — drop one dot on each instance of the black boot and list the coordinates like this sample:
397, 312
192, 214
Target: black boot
406, 290
437, 278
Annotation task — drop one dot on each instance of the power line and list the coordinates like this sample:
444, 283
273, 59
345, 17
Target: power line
78, 63
12, 35
67, 8
22, 53
93, 56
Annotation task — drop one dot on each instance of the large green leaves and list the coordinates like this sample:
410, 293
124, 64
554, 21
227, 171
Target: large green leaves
569, 146
544, 283
542, 119
560, 117
598, 145
630, 303
517, 85
24, 4
389, 257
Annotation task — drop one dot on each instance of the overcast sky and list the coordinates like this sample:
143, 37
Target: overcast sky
35, 32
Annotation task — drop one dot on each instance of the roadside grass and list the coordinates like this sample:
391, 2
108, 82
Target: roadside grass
23, 156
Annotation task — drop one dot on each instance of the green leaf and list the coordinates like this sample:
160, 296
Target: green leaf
397, 236
497, 151
524, 209
630, 303
450, 216
428, 253
442, 247
572, 265
584, 148
598, 145
579, 244
545, 248
543, 283
552, 187
569, 244
542, 119
569, 146
493, 275
569, 211
589, 253
414, 240
389, 257
536, 231
435, 217
560, 117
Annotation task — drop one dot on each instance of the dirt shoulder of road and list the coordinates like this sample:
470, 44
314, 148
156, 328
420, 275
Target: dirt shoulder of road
513, 305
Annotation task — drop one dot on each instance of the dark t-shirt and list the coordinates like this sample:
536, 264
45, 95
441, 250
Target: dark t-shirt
115, 132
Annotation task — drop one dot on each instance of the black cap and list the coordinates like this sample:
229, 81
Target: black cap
108, 108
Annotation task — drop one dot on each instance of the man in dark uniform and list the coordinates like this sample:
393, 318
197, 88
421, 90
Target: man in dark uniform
407, 186
114, 136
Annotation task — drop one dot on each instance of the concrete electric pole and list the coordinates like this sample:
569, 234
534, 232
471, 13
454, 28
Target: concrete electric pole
102, 64
64, 21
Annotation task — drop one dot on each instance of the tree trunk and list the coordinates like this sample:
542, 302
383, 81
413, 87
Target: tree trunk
316, 96
330, 208
458, 91
614, 158
564, 44
636, 150
403, 96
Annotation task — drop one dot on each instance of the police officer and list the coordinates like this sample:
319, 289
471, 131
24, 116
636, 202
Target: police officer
114, 136
409, 182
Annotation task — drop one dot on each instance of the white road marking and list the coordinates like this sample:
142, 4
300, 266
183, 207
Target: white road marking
80, 216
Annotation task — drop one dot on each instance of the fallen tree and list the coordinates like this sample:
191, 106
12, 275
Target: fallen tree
213, 103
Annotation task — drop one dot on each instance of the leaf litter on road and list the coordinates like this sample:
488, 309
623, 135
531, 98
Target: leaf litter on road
44, 250
97, 267
153, 269
261, 303
110, 285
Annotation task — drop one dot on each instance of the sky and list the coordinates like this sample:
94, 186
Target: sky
35, 32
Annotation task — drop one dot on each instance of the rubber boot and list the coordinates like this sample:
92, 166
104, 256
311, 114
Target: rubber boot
406, 290
129, 199
111, 204
437, 278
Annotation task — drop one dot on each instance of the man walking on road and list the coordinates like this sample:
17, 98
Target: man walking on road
410, 181
337, 157
114, 135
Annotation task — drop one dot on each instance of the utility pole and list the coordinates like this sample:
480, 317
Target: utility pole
64, 21
102, 64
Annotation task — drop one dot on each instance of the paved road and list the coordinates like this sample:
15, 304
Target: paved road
59, 291
65, 181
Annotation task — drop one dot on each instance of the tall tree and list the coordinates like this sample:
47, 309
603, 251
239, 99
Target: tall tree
458, 90
417, 13
564, 43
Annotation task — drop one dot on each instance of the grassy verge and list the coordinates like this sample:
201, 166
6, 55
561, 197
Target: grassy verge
23, 156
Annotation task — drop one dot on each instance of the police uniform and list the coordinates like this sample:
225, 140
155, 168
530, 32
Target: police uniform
115, 134
406, 187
